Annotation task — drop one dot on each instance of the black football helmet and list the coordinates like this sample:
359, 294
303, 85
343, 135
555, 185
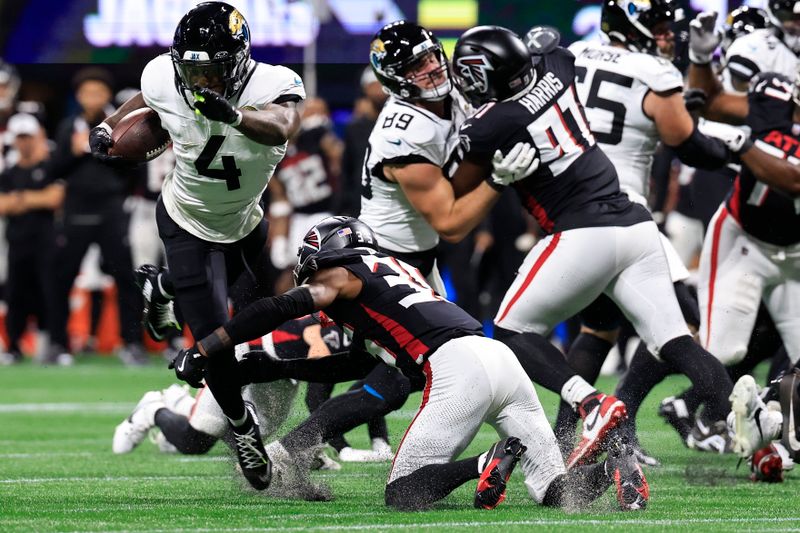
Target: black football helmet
784, 15
491, 63
744, 20
332, 233
631, 22
211, 41
399, 46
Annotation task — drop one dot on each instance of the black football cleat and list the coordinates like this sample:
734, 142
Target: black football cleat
158, 315
675, 413
500, 461
633, 492
253, 460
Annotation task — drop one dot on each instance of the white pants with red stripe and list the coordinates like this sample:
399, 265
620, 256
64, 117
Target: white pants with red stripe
737, 272
471, 380
566, 271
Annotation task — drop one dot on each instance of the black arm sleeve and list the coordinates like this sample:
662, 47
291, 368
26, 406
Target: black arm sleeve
260, 367
261, 317
700, 151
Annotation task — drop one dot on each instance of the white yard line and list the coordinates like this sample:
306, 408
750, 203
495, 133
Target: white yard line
68, 407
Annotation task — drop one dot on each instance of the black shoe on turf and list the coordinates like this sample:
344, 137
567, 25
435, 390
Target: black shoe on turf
253, 460
158, 315
675, 413
633, 492
500, 461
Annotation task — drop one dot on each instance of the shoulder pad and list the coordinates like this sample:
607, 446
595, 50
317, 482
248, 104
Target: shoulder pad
770, 102
269, 82
657, 73
773, 85
157, 78
542, 40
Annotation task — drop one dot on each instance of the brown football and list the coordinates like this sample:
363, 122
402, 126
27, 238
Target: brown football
139, 136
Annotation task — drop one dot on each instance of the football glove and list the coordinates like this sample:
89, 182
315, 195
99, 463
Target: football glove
99, 143
694, 99
703, 37
190, 366
736, 139
518, 164
214, 107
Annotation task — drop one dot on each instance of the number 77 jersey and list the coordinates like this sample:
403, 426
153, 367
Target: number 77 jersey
612, 85
215, 190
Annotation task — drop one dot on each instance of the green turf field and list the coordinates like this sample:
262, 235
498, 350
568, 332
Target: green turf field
57, 473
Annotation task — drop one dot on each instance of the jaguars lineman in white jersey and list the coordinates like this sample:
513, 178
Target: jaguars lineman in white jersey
415, 127
633, 100
229, 118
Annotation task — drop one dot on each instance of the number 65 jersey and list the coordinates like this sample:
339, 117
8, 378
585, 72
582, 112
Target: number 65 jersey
612, 85
220, 174
404, 134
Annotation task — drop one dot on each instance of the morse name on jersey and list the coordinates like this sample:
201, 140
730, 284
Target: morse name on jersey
542, 93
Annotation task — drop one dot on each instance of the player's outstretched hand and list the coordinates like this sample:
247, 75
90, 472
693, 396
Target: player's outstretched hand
703, 37
100, 142
190, 366
214, 107
518, 164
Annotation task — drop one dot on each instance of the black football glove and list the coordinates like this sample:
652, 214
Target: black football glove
694, 99
99, 143
258, 366
214, 107
190, 366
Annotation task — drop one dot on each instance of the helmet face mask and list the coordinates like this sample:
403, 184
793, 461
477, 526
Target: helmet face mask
211, 49
638, 24
785, 15
332, 233
402, 48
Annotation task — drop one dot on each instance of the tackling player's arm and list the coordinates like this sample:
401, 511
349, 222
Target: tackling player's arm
720, 105
433, 197
263, 316
677, 130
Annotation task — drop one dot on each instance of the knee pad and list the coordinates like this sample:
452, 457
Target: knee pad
602, 314
391, 387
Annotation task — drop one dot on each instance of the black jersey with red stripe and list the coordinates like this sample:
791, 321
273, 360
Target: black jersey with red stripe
288, 342
397, 316
767, 214
576, 184
306, 175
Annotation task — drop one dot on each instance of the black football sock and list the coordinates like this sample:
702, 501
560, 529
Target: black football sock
377, 429
429, 484
224, 381
335, 417
181, 434
705, 372
543, 363
586, 355
579, 487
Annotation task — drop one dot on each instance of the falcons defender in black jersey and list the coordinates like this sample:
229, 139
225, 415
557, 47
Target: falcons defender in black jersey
598, 242
468, 379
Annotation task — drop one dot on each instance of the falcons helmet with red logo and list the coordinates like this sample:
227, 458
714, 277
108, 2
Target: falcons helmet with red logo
491, 63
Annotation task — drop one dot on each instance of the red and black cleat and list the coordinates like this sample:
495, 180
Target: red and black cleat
601, 414
500, 461
633, 492
766, 465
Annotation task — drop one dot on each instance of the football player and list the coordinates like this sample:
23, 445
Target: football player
633, 97
598, 241
410, 202
469, 379
229, 118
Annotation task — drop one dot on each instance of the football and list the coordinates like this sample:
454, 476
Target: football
139, 136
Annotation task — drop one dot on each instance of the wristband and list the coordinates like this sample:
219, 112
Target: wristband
238, 120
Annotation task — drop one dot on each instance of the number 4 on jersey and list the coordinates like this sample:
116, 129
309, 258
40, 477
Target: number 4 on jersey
229, 172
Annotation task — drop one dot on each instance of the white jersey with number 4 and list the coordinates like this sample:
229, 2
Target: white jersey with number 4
405, 134
220, 174
612, 85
